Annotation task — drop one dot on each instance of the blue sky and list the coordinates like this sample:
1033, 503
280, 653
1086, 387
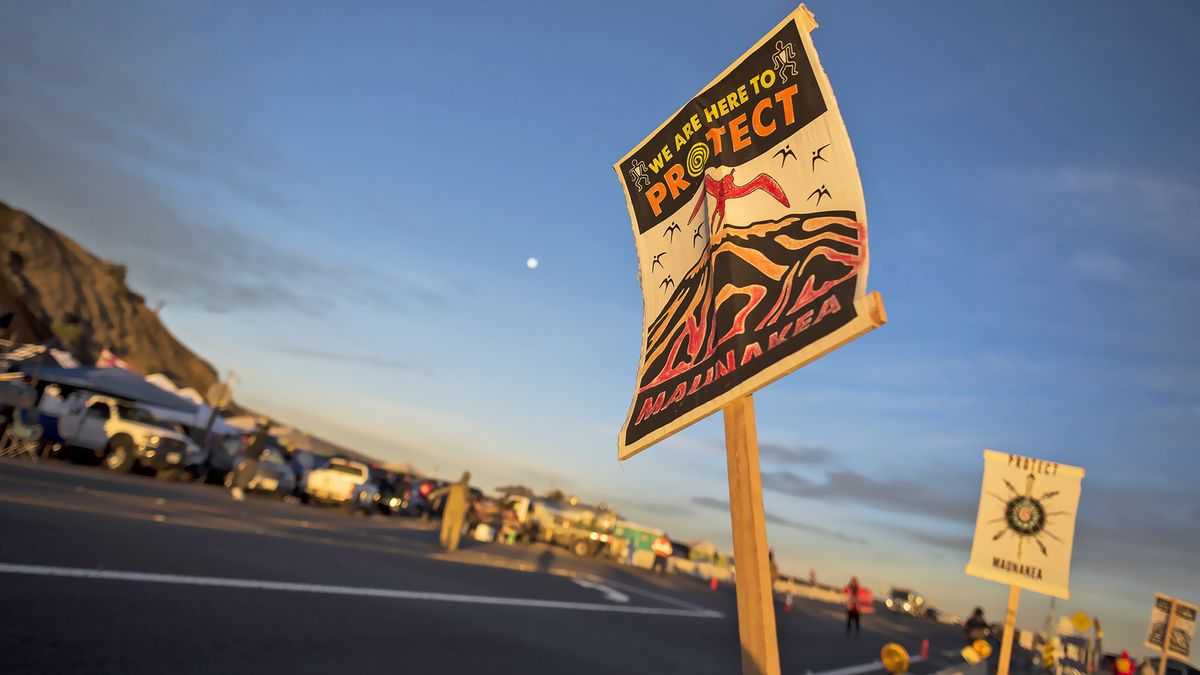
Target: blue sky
336, 200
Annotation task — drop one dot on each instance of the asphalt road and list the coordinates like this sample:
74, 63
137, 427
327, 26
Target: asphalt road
114, 573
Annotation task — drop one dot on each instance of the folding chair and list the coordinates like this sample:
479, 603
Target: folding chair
21, 438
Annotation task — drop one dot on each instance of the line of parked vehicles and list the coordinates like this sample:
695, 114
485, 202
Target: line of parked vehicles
124, 437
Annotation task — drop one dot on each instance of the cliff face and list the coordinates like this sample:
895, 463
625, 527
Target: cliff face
57, 289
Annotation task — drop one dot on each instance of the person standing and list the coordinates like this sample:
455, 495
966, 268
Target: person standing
662, 550
247, 469
853, 608
1123, 664
977, 627
630, 550
456, 495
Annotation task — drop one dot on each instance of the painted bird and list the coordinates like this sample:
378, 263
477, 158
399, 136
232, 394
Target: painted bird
725, 189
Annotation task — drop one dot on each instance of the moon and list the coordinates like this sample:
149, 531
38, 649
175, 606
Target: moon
532, 263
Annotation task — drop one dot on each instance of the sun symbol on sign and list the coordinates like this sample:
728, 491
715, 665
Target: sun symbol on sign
1025, 515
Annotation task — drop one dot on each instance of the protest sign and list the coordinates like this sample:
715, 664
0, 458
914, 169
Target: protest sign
1177, 618
1024, 531
1025, 528
751, 234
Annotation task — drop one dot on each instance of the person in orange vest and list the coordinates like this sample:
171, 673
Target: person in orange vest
662, 550
853, 606
1123, 665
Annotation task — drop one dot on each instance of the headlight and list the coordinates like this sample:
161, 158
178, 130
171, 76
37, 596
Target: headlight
907, 607
154, 441
889, 602
394, 502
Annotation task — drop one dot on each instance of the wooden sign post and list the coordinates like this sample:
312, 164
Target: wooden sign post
756, 611
1166, 649
1010, 627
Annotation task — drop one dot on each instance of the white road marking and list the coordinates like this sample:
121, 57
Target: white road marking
657, 596
260, 585
613, 595
863, 668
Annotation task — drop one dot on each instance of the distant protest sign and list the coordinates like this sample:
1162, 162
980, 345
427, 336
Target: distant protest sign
751, 235
1026, 523
1180, 617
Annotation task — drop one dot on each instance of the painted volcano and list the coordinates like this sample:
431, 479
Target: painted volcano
750, 278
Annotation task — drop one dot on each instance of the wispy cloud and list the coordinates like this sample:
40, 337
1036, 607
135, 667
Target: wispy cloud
1167, 202
930, 498
774, 453
191, 201
656, 508
1117, 208
372, 360
1098, 266
960, 543
722, 505
783, 454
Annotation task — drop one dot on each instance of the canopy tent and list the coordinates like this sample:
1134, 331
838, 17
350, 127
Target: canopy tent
112, 381
14, 352
704, 548
165, 383
198, 419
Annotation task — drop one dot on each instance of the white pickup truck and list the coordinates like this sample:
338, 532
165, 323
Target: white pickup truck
124, 436
344, 482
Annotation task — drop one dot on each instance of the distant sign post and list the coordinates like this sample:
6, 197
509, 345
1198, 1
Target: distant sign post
1025, 531
751, 231
218, 396
1174, 618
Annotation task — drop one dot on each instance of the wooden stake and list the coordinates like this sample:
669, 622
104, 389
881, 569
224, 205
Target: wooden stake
1010, 625
1166, 650
756, 611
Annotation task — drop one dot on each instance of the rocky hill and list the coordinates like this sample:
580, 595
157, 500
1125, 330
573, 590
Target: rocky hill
58, 290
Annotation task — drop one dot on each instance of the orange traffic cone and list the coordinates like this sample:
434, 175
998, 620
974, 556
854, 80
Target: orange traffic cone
787, 603
712, 583
925, 648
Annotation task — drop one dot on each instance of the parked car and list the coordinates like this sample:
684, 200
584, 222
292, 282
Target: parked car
394, 497
415, 502
124, 436
274, 476
385, 498
584, 530
223, 456
345, 482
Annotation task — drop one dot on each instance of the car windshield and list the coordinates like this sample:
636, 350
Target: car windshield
900, 594
140, 416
